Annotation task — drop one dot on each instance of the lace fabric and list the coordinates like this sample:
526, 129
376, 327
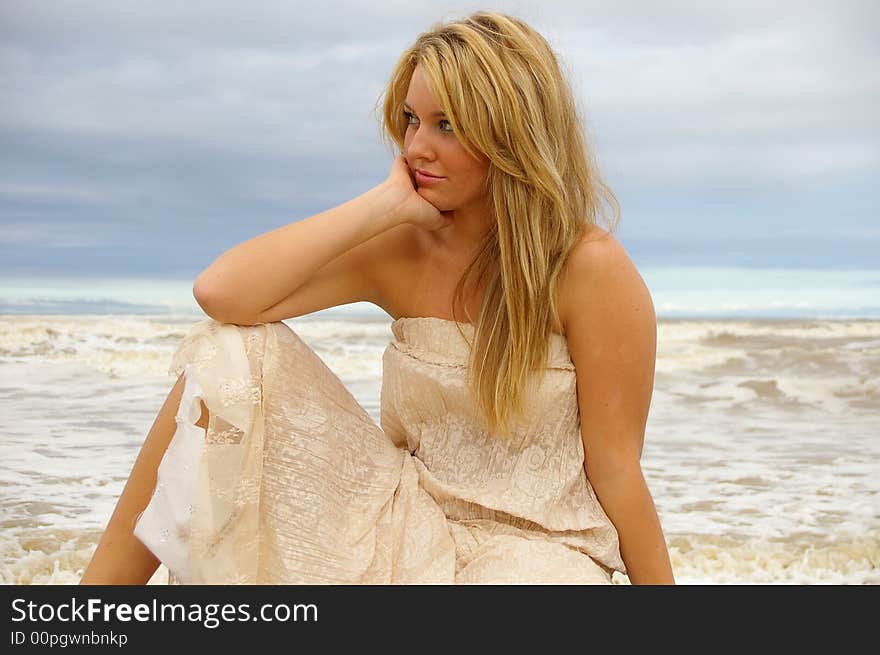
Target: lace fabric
293, 482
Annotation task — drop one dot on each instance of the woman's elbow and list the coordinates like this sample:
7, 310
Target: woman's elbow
614, 470
211, 302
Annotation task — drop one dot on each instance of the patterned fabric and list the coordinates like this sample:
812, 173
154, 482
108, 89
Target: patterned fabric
294, 483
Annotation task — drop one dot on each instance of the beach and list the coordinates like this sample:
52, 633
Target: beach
761, 447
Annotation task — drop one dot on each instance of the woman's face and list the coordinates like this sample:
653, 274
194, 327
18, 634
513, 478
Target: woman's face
431, 146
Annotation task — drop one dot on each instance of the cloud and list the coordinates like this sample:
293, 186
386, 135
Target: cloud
49, 234
215, 121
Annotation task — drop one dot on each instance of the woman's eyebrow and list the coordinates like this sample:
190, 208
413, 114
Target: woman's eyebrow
436, 113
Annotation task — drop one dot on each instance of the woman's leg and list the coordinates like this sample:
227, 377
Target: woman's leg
120, 558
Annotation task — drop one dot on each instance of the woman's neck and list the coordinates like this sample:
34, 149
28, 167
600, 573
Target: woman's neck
463, 237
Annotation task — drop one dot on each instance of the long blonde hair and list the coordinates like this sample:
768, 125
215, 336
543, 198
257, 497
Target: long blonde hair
501, 87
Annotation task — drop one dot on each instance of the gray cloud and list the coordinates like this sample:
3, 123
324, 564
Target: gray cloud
189, 127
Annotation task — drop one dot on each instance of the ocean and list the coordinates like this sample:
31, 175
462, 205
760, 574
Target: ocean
761, 448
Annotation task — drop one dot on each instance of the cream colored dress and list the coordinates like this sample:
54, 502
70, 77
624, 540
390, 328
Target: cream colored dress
294, 483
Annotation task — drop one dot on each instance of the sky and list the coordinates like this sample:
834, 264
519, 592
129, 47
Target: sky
146, 138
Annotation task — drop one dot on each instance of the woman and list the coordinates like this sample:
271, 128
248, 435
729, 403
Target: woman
510, 442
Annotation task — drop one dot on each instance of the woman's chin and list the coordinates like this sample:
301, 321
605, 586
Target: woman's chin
432, 198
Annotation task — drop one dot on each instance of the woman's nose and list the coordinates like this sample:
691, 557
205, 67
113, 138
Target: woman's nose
420, 146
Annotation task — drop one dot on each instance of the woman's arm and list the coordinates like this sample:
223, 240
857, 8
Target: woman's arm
258, 281
611, 330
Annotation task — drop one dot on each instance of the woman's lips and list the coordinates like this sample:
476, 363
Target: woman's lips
424, 179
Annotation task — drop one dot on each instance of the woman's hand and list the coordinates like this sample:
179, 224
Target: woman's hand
410, 207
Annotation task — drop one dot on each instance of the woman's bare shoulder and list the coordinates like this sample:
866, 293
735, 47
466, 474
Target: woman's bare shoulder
597, 266
594, 239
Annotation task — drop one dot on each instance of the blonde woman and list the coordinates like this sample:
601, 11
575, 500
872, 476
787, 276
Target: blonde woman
515, 391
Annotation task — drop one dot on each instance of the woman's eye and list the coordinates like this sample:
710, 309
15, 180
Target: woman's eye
412, 120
